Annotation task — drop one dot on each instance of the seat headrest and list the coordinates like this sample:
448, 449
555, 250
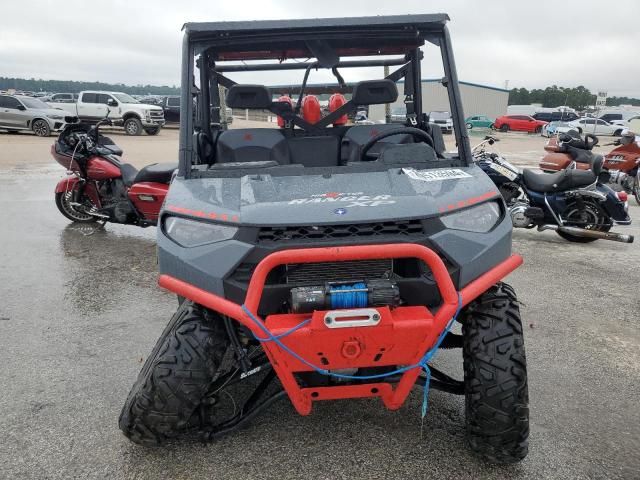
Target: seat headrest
249, 96
311, 110
335, 102
373, 92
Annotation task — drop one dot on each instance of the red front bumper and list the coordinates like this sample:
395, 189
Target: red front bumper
402, 336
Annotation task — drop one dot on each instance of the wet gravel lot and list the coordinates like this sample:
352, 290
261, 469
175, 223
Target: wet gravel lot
79, 312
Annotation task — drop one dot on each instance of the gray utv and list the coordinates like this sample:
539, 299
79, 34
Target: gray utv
315, 259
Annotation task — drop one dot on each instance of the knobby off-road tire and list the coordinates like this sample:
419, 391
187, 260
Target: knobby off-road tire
175, 377
495, 377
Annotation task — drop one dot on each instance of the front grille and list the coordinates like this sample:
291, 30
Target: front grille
318, 273
328, 232
157, 114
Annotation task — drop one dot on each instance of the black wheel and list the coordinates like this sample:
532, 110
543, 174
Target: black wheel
585, 215
175, 377
64, 202
132, 126
617, 133
504, 128
41, 128
636, 187
495, 377
469, 126
152, 131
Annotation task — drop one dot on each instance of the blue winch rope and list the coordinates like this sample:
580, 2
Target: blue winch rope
349, 296
423, 363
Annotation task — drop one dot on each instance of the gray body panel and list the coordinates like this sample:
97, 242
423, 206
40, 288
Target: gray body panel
337, 192
264, 200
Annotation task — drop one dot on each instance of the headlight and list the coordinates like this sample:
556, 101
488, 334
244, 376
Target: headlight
191, 233
480, 218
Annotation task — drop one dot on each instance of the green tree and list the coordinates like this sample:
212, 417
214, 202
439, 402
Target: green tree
615, 101
554, 96
70, 86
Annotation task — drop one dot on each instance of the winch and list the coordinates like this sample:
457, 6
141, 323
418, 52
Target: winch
337, 295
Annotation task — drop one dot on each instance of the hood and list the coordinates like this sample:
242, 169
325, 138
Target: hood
48, 112
148, 106
267, 200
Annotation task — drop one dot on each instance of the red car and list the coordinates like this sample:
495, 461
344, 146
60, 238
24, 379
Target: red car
519, 123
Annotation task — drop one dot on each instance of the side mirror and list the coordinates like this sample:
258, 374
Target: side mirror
112, 103
21, 107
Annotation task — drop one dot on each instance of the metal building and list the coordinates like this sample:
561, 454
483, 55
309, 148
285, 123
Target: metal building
476, 100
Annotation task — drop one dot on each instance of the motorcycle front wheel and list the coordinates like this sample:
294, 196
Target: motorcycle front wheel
64, 202
636, 188
586, 215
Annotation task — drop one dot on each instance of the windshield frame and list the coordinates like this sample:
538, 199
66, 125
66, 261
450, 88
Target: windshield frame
126, 98
27, 100
201, 43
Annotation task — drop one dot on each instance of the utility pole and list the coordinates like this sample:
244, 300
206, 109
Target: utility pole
387, 107
223, 105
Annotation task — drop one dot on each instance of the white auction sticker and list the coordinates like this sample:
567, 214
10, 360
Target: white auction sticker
435, 174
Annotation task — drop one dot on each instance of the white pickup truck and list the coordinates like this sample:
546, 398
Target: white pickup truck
123, 109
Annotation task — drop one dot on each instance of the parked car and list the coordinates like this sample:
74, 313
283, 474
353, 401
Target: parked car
441, 119
62, 98
554, 128
634, 125
625, 123
123, 109
519, 123
171, 106
150, 100
596, 126
28, 113
619, 118
555, 116
478, 121
399, 114
361, 118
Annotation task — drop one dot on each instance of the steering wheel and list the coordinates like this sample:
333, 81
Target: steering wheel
418, 134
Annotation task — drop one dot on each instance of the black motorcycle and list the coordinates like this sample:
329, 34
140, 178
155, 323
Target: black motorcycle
576, 204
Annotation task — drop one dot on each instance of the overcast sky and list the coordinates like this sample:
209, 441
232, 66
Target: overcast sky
530, 44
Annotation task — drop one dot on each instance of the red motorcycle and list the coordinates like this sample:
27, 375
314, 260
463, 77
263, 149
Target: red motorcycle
99, 186
622, 163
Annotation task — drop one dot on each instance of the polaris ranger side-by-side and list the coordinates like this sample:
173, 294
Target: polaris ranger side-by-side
320, 260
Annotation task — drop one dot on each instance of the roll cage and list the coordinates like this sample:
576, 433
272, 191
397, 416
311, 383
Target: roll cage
398, 39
